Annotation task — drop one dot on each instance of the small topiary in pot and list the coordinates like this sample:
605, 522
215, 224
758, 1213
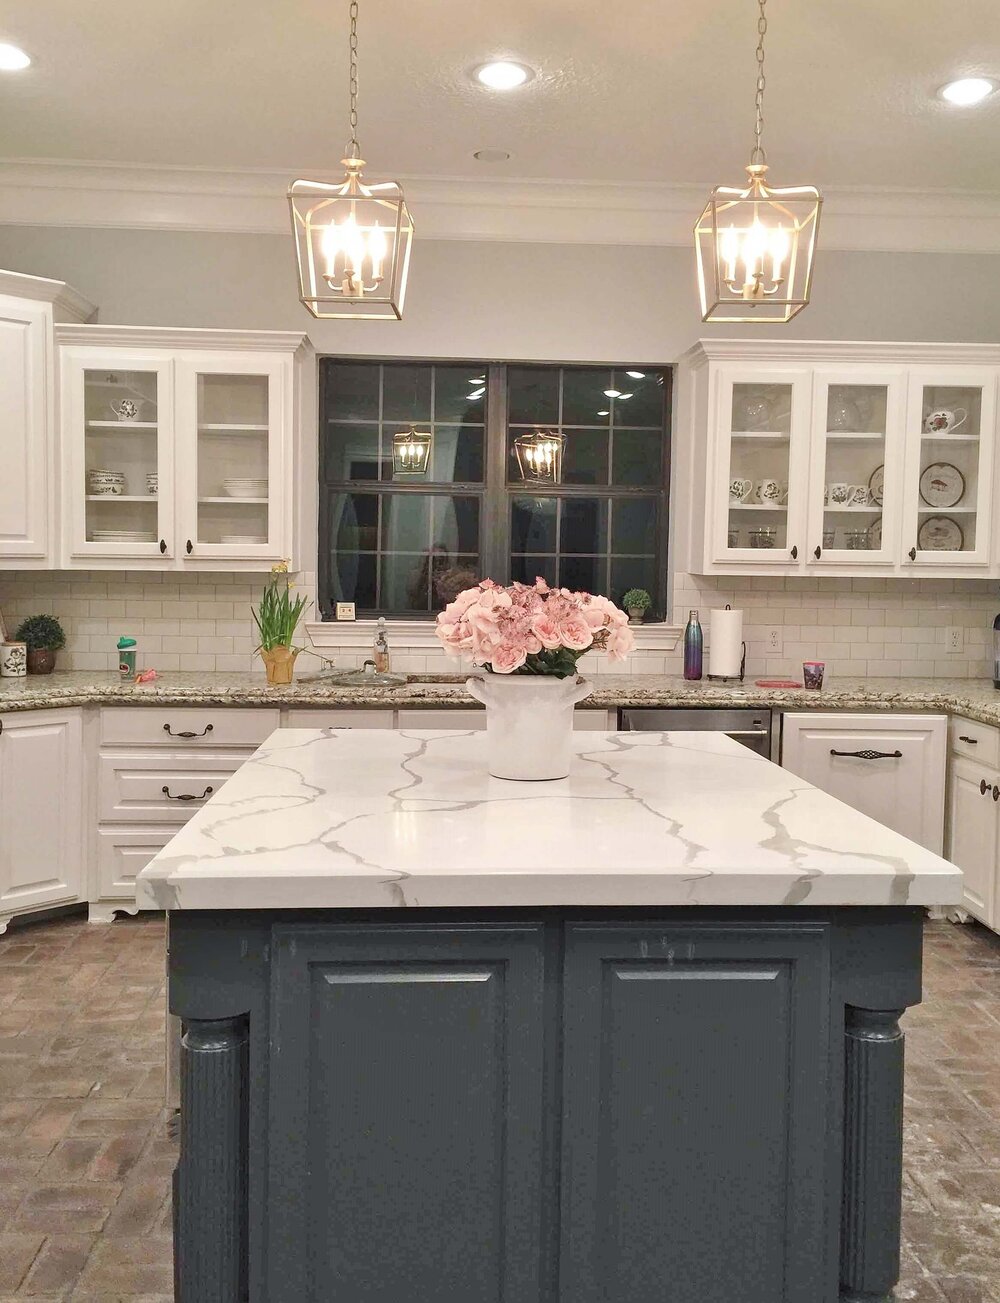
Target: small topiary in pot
44, 636
637, 602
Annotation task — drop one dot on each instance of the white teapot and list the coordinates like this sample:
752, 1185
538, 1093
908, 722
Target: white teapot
943, 421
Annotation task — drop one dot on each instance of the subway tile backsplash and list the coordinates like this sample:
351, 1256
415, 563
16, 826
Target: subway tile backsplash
876, 627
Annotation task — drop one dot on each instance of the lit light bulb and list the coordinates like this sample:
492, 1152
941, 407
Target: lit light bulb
780, 245
331, 247
730, 251
378, 247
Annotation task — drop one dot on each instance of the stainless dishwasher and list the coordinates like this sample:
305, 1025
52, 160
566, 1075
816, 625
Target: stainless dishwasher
743, 724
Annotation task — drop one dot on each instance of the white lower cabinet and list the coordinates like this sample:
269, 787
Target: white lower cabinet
42, 811
891, 767
974, 836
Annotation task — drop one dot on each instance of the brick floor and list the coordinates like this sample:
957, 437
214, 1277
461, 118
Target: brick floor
85, 1158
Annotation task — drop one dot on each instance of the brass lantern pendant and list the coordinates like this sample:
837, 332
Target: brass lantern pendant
540, 456
755, 245
411, 452
352, 239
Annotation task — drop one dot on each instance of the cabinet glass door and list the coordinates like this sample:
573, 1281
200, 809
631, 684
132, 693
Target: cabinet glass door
857, 469
121, 476
234, 499
760, 498
951, 431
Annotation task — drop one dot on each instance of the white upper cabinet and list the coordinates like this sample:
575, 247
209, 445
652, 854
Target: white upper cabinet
840, 459
180, 447
28, 306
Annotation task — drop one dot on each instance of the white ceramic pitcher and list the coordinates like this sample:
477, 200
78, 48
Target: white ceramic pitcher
529, 723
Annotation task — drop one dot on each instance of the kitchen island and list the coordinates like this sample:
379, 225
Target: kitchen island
628, 1035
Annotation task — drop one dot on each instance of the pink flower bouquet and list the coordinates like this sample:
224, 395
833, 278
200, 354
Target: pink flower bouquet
532, 629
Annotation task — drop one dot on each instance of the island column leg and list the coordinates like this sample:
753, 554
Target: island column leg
210, 1182
873, 1155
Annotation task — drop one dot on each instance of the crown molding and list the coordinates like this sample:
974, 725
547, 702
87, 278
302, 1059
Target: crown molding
249, 341
40, 192
67, 304
813, 351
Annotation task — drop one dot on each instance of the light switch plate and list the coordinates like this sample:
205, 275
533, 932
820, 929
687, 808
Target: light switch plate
345, 611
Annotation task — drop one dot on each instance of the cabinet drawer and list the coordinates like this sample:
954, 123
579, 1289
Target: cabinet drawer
977, 741
122, 853
187, 726
131, 787
337, 717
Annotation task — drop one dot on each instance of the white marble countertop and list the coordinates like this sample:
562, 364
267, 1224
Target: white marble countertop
971, 698
380, 818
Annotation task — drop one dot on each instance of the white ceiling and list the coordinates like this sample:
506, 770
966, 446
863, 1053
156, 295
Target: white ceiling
637, 91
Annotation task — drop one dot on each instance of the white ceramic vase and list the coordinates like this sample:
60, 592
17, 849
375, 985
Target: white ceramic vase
529, 723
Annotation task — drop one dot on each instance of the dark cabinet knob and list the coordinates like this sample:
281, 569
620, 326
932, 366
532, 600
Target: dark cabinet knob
912, 554
795, 554
973, 742
984, 787
163, 546
996, 792
817, 552
189, 547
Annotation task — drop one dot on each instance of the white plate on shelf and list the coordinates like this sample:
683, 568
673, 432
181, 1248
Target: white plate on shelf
942, 485
940, 534
242, 540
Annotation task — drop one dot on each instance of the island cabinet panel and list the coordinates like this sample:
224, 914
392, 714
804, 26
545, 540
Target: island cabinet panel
695, 1110
406, 1115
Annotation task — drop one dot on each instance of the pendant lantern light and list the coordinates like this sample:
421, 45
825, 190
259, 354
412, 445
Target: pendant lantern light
352, 238
755, 244
540, 456
411, 452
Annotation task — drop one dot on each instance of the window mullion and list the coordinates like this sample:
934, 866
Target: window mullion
495, 522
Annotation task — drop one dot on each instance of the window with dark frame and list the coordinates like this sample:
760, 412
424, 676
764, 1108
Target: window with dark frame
403, 534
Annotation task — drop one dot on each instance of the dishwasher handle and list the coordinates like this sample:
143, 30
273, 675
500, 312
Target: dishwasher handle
745, 732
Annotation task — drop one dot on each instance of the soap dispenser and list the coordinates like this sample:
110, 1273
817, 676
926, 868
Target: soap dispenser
381, 648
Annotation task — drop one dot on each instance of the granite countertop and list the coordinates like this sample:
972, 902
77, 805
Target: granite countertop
971, 698
342, 819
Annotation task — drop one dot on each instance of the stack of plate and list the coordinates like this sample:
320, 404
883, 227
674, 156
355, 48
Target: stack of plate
122, 536
242, 539
245, 488
105, 483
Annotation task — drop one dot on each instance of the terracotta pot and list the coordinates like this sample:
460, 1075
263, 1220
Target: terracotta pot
529, 723
279, 663
41, 660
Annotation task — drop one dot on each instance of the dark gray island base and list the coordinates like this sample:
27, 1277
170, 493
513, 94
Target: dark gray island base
545, 1105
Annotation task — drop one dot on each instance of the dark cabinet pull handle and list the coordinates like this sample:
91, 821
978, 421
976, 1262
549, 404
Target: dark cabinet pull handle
984, 787
912, 554
817, 552
163, 546
973, 742
170, 732
996, 792
868, 754
189, 547
186, 796
795, 553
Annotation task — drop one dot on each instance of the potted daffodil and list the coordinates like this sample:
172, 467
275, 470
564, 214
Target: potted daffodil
276, 618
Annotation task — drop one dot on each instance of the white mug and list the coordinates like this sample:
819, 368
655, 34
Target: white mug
739, 490
859, 495
840, 494
943, 421
768, 491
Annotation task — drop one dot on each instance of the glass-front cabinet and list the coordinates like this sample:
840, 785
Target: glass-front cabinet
831, 458
176, 457
761, 467
951, 433
120, 474
857, 467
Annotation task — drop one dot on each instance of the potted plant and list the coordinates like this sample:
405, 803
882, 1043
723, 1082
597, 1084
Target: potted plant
528, 639
637, 602
44, 636
276, 619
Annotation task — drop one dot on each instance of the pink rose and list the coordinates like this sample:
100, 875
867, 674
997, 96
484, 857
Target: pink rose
575, 633
546, 630
507, 658
620, 642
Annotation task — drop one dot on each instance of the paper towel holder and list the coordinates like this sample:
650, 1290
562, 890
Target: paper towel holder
729, 678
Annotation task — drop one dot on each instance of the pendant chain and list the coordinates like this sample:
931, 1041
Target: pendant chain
758, 154
353, 148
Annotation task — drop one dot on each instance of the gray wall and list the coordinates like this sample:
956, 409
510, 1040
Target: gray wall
476, 299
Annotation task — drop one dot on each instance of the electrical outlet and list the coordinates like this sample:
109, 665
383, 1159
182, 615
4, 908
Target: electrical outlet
774, 641
954, 638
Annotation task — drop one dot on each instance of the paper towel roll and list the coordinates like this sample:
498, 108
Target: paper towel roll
725, 643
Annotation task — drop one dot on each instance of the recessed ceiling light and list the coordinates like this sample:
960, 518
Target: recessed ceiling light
491, 155
612, 393
12, 59
503, 74
967, 90
477, 393
636, 375
622, 397
604, 413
